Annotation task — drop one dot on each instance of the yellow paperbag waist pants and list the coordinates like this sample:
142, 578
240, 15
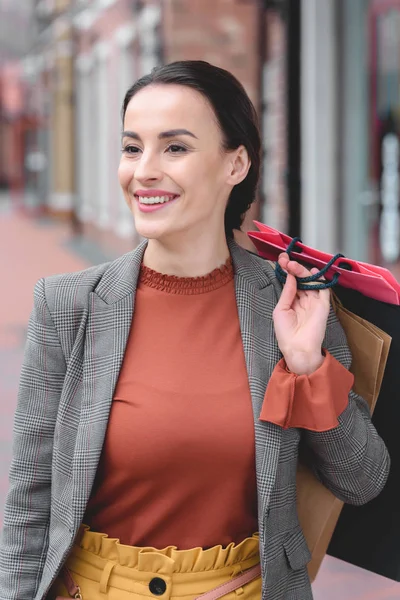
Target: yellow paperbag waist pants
104, 569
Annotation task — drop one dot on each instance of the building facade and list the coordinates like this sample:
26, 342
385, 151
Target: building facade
116, 42
323, 75
86, 55
370, 132
350, 128
16, 119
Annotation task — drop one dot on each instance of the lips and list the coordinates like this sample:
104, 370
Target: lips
151, 202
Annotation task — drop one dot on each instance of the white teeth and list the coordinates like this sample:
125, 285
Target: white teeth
154, 199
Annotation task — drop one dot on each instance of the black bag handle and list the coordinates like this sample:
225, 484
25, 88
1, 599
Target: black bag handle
303, 283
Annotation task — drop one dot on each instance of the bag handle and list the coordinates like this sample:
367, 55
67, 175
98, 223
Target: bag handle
312, 282
335, 300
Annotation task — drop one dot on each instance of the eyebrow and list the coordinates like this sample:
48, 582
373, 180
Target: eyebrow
162, 135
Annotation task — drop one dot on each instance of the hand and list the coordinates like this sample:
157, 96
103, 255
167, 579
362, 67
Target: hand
300, 319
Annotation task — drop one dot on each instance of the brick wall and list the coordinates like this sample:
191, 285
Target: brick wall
222, 32
274, 210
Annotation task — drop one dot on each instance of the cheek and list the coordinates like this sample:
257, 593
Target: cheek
213, 171
125, 174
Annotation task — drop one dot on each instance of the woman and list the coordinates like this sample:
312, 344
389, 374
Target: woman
165, 395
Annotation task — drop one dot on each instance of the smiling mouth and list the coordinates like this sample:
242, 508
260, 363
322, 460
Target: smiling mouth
149, 200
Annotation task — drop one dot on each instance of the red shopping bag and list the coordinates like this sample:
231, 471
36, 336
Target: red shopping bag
371, 280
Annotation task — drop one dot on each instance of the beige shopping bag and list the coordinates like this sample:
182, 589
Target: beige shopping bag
318, 508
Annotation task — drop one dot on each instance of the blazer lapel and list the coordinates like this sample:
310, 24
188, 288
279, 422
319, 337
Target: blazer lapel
256, 300
110, 313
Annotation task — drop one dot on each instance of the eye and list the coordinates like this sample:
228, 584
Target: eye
130, 150
176, 149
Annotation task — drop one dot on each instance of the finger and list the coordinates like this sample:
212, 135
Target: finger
297, 269
313, 272
326, 298
288, 293
324, 295
283, 260
284, 255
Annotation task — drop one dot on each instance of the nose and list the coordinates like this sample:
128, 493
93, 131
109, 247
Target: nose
148, 168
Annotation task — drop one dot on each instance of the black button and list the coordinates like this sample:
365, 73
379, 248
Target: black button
157, 586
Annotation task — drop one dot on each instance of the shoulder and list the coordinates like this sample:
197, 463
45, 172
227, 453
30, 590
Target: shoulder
72, 288
111, 281
266, 266
251, 266
71, 291
255, 270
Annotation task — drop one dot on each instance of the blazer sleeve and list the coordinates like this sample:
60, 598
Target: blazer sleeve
23, 546
350, 459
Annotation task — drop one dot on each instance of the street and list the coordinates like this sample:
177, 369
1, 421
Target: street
31, 249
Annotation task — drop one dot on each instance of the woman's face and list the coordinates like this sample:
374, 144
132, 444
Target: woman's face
174, 173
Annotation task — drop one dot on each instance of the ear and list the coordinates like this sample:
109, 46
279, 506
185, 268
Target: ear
238, 164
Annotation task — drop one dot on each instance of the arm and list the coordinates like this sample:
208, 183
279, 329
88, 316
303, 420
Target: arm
350, 459
24, 540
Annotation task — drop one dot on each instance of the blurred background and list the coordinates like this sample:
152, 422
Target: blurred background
324, 76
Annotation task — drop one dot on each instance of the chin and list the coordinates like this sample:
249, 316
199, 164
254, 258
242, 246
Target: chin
151, 231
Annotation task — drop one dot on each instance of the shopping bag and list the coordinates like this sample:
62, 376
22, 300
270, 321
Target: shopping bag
318, 509
368, 536
371, 280
369, 346
282, 241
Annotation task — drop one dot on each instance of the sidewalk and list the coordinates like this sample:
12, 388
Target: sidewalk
32, 249
29, 250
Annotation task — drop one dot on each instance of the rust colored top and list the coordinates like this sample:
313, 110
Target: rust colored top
178, 462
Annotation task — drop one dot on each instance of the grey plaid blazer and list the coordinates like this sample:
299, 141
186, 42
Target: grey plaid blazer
75, 346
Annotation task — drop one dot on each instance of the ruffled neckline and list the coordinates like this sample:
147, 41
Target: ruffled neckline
187, 285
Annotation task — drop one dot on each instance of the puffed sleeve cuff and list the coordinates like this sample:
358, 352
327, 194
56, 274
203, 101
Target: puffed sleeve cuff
311, 402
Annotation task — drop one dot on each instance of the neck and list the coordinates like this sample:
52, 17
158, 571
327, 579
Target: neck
187, 257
